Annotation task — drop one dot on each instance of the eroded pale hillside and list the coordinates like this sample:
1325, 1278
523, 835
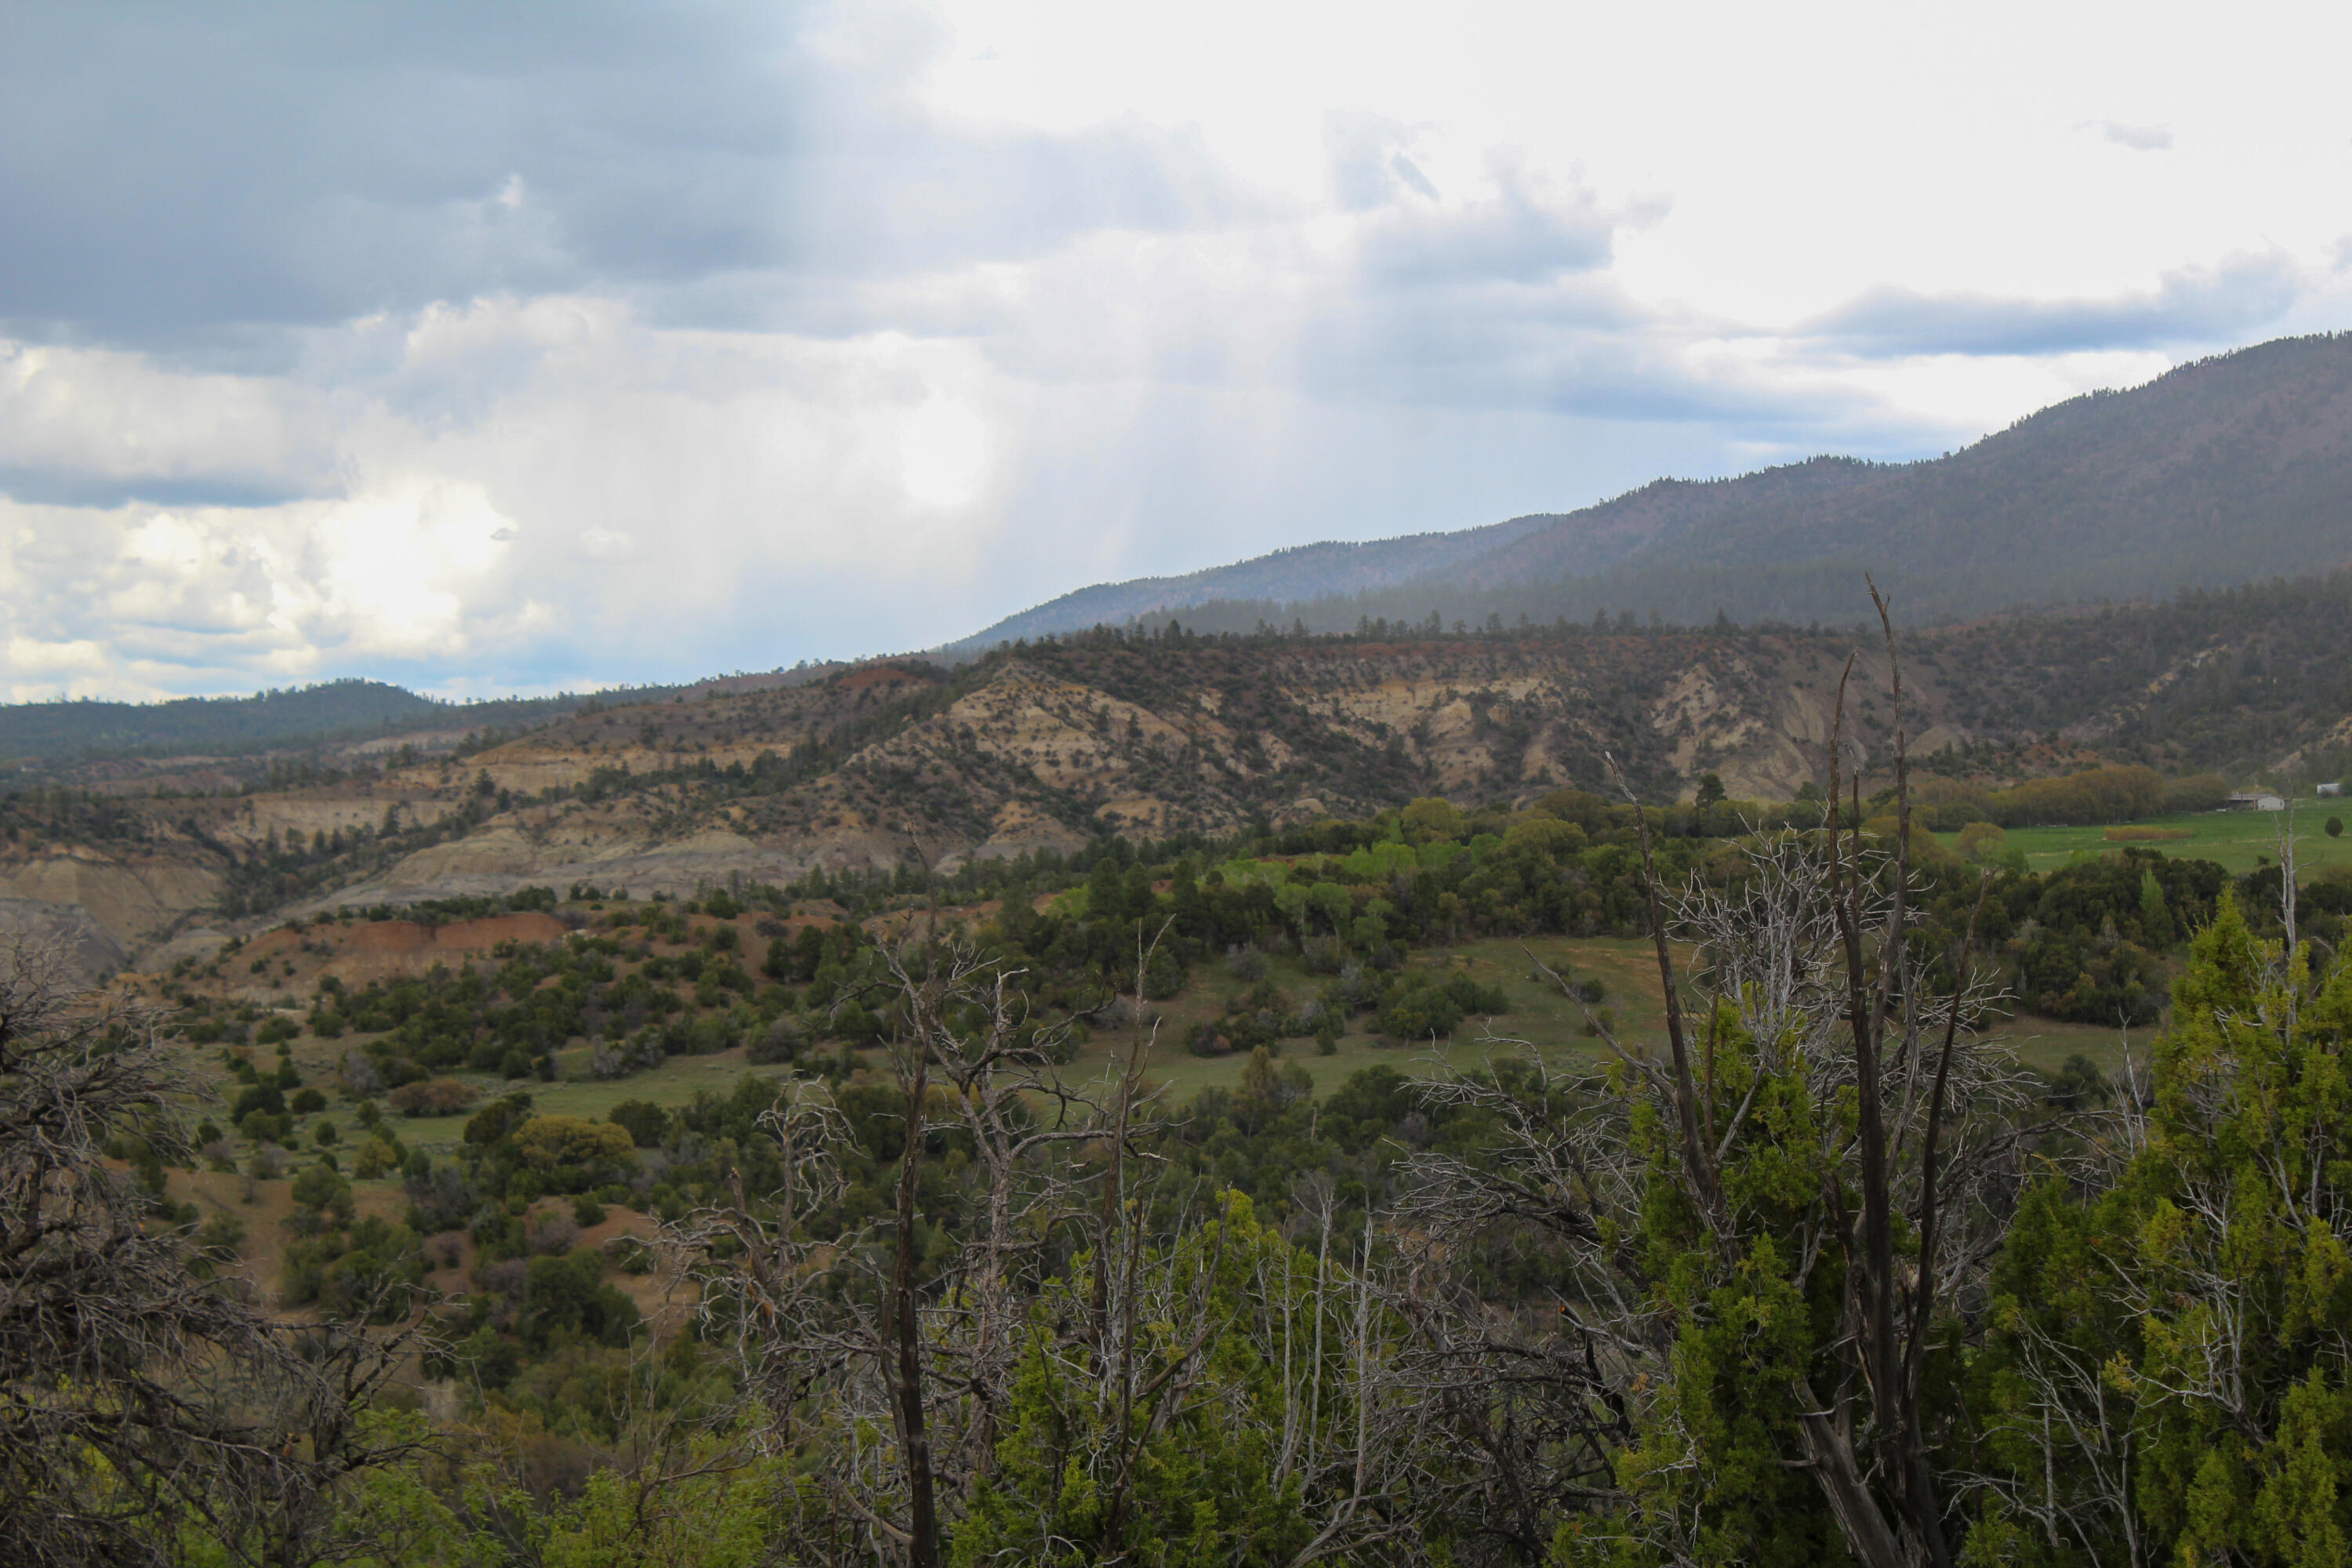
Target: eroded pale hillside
1049, 746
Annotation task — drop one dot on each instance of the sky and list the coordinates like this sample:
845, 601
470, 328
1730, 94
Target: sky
541, 346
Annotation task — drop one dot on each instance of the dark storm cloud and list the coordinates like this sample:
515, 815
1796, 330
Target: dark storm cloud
1505, 302
2195, 306
171, 174
53, 485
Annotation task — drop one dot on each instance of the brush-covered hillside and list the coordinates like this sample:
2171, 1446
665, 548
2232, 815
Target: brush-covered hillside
1060, 743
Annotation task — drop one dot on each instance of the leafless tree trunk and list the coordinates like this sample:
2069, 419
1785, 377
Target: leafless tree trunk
931, 1364
905, 1369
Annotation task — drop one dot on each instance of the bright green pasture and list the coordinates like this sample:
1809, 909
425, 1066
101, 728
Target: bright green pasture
2237, 840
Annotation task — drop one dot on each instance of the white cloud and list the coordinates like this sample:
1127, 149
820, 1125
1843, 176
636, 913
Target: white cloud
747, 335
607, 544
943, 453
2138, 138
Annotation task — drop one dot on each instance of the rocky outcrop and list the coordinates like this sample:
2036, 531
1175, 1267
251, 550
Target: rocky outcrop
88, 948
1042, 750
134, 900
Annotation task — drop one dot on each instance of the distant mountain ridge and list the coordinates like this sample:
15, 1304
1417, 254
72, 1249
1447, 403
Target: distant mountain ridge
302, 716
2224, 471
1302, 571
207, 723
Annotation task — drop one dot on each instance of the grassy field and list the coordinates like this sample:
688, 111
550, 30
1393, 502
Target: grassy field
2239, 841
1539, 1015
674, 1082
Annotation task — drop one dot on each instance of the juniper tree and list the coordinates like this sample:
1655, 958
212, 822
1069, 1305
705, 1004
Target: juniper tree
2169, 1378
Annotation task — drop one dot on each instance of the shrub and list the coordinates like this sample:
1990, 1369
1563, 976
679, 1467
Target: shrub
570, 1142
432, 1097
1208, 1040
1976, 835
779, 1042
441, 1200
219, 1244
552, 1231
318, 1188
261, 1127
643, 1121
264, 1097
564, 1296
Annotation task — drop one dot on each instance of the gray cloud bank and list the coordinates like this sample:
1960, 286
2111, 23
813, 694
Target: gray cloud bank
536, 343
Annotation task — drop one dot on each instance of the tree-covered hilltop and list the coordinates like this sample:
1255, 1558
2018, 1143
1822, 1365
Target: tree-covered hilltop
232, 726
211, 723
291, 719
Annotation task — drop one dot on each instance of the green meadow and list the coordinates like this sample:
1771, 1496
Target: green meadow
2239, 841
1539, 1017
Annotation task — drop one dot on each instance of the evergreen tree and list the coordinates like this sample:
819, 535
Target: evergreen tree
2167, 1377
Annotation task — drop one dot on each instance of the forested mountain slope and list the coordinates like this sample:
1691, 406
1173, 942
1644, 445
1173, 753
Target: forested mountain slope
1305, 571
213, 724
299, 718
2226, 471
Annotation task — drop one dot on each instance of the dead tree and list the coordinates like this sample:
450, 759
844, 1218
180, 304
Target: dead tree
1805, 957
137, 1402
843, 1336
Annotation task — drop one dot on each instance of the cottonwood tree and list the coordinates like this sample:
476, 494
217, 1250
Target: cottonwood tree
142, 1407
